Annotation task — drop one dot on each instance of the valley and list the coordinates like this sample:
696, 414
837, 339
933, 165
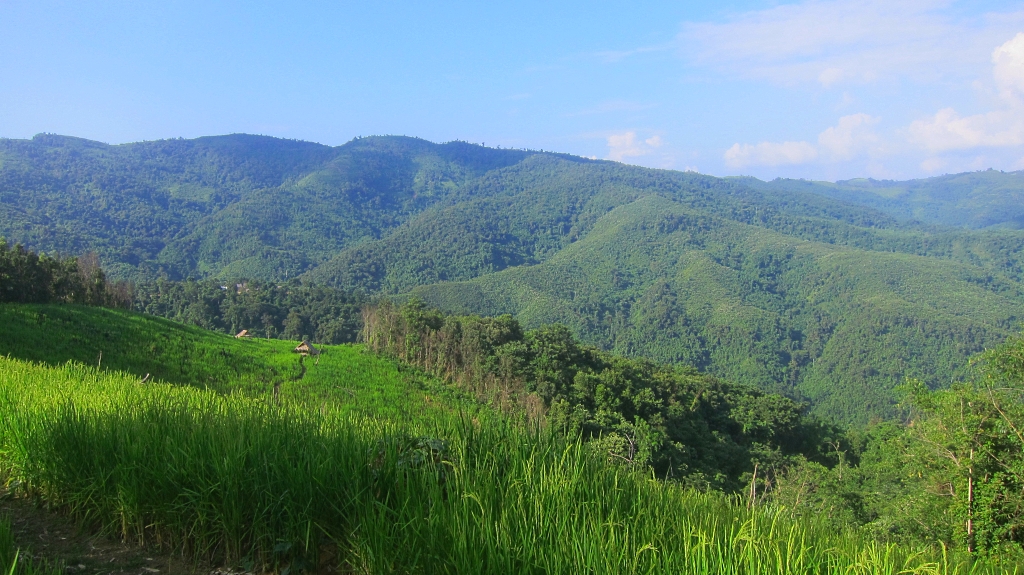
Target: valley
527, 362
794, 287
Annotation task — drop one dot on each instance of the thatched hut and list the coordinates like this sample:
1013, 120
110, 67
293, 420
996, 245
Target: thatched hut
243, 333
306, 348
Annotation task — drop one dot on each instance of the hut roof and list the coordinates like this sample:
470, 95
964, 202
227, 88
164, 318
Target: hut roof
243, 333
306, 348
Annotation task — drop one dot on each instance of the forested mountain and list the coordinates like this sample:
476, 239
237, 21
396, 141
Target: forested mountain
233, 206
756, 282
989, 199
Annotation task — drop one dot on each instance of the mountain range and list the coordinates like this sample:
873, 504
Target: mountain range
831, 293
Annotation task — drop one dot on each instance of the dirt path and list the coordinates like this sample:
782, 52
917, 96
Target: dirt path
51, 537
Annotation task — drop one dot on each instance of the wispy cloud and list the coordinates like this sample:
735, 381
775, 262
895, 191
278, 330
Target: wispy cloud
611, 106
841, 41
619, 55
769, 154
1002, 126
627, 145
852, 136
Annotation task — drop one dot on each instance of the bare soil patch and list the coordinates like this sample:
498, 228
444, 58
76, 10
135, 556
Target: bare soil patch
53, 538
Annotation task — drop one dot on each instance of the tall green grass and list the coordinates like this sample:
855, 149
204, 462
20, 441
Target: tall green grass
246, 481
140, 344
344, 375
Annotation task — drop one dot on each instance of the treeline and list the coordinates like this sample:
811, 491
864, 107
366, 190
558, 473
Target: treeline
687, 426
949, 470
28, 277
288, 310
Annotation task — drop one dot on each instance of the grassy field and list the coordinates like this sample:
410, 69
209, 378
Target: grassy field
243, 481
346, 377
363, 467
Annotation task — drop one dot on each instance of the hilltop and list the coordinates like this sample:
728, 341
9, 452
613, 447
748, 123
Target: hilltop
774, 284
977, 200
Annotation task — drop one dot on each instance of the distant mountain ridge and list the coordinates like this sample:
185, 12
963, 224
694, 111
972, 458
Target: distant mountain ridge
789, 285
976, 200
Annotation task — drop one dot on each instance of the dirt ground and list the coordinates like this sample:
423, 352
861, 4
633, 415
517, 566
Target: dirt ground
53, 538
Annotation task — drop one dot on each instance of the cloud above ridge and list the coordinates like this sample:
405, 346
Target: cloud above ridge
626, 145
845, 41
852, 136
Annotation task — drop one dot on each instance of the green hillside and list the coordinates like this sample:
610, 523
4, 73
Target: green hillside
779, 285
834, 324
245, 484
977, 200
260, 207
173, 353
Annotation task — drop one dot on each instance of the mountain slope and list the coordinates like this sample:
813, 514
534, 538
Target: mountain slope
269, 208
838, 326
157, 350
971, 200
790, 289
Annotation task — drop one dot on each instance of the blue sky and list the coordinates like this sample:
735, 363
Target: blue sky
825, 90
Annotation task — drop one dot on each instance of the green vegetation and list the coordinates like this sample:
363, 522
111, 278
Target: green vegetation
685, 426
833, 325
154, 349
230, 206
164, 350
27, 277
954, 472
767, 284
710, 475
973, 200
247, 482
290, 310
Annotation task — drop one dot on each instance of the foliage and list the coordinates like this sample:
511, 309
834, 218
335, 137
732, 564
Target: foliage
953, 473
289, 310
247, 482
154, 349
27, 277
975, 200
834, 326
685, 425
768, 284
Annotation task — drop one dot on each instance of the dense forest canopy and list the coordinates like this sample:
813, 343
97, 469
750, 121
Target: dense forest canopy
948, 469
988, 199
778, 286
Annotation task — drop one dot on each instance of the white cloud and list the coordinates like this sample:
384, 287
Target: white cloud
611, 106
947, 130
839, 41
1008, 68
1004, 126
851, 136
626, 145
769, 154
932, 165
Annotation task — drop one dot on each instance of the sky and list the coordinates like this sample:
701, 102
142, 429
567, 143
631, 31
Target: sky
826, 90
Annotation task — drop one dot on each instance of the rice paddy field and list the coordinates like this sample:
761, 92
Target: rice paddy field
158, 350
360, 466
